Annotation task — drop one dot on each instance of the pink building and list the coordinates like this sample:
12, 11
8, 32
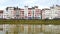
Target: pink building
21, 14
43, 14
37, 13
30, 13
26, 13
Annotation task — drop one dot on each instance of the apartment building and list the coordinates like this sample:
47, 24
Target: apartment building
46, 13
32, 13
55, 11
17, 13
51, 13
26, 12
37, 13
21, 15
9, 13
1, 14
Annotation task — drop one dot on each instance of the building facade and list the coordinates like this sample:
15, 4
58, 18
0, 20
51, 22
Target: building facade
9, 13
52, 13
37, 13
32, 13
21, 14
26, 12
1, 14
17, 13
55, 11
46, 13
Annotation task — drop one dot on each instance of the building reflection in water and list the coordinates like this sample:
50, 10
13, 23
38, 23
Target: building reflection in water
29, 29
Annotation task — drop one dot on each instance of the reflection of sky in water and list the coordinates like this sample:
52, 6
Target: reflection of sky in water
41, 29
1, 32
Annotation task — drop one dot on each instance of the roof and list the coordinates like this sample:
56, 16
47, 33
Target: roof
9, 7
12, 7
46, 9
29, 8
58, 5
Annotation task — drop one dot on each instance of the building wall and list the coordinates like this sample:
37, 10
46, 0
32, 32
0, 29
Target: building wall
30, 13
58, 13
53, 13
17, 13
48, 14
37, 13
1, 14
9, 13
43, 14
26, 12
21, 14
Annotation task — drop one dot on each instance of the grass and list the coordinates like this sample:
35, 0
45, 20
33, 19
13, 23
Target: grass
11, 21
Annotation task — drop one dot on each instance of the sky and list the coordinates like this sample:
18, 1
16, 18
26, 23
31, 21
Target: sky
21, 3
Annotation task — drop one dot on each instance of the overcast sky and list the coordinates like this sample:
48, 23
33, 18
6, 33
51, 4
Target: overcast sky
22, 3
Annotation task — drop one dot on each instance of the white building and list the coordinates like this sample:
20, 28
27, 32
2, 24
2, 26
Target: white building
9, 13
26, 12
55, 11
52, 13
17, 13
46, 13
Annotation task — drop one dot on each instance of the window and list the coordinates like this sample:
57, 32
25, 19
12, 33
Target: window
29, 13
